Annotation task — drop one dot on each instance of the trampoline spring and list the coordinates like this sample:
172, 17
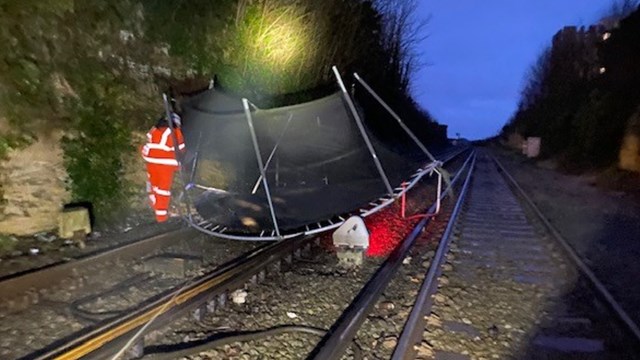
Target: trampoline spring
341, 218
330, 222
215, 228
319, 225
307, 227
223, 230
262, 233
202, 222
206, 227
373, 204
273, 232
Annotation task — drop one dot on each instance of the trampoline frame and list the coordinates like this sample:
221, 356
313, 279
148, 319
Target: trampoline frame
219, 230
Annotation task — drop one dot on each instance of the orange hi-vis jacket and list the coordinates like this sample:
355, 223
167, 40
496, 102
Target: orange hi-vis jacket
159, 148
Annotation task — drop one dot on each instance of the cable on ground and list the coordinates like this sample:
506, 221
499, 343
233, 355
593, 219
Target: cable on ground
190, 348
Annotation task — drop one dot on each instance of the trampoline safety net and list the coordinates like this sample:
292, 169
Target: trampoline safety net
316, 161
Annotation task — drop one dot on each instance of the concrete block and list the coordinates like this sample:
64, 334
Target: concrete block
350, 258
533, 147
74, 220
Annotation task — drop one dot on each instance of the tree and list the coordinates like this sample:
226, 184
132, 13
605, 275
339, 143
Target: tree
618, 10
402, 35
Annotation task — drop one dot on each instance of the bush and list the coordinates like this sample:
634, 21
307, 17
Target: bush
96, 147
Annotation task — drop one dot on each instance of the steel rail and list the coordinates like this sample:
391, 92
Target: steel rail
14, 286
412, 331
335, 343
109, 337
621, 314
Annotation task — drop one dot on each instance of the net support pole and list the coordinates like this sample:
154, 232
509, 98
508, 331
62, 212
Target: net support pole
363, 132
266, 164
194, 165
178, 154
256, 147
395, 116
439, 191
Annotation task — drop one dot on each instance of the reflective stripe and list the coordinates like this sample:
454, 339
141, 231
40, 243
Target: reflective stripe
152, 198
151, 160
161, 147
165, 137
161, 212
149, 136
161, 192
181, 146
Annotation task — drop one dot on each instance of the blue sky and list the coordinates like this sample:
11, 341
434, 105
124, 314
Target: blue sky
478, 52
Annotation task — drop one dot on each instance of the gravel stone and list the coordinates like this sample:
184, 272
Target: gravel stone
51, 315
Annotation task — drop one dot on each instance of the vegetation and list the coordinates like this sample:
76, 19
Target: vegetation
582, 92
95, 68
96, 148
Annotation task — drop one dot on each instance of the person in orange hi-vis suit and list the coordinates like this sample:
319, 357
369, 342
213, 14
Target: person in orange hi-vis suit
159, 153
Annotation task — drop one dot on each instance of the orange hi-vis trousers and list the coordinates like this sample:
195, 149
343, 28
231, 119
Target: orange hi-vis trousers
160, 179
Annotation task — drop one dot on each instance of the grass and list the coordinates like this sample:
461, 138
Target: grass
7, 245
619, 180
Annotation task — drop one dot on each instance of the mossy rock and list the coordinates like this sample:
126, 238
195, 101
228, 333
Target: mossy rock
7, 245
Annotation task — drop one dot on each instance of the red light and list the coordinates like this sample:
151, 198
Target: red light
386, 229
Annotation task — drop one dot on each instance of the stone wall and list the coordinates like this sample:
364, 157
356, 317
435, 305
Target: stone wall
629, 158
630, 153
33, 184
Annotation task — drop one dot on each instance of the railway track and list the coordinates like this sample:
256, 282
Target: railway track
170, 349
18, 291
99, 329
498, 285
505, 285
50, 304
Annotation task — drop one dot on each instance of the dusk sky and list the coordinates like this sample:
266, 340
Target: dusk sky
479, 52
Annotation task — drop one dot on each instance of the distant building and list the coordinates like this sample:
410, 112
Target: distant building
583, 43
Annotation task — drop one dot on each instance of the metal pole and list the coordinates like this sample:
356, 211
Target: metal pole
356, 116
266, 164
177, 152
439, 191
256, 147
195, 160
395, 116
404, 199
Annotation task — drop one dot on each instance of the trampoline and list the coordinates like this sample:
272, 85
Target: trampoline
269, 174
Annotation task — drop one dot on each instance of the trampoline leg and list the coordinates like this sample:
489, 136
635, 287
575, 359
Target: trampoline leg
404, 199
363, 132
439, 192
261, 166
